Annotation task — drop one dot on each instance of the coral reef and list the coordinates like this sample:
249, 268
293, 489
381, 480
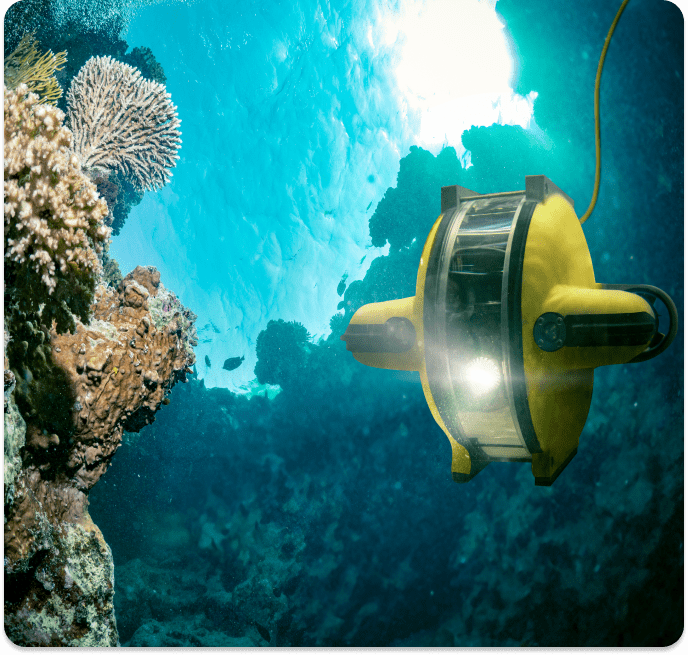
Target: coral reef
78, 392
53, 215
122, 121
85, 34
27, 66
69, 396
144, 60
281, 350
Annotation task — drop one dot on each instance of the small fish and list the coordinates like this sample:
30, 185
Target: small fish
369, 205
207, 361
232, 363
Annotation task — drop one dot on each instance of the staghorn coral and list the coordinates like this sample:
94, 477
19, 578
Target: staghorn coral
116, 372
53, 215
27, 66
124, 122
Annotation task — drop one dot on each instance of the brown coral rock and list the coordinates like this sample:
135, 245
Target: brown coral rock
120, 368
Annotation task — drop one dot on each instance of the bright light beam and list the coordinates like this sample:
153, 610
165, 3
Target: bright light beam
483, 376
455, 69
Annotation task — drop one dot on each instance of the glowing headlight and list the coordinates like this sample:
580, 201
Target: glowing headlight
483, 375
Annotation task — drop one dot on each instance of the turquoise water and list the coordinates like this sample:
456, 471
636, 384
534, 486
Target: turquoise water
293, 124
267, 207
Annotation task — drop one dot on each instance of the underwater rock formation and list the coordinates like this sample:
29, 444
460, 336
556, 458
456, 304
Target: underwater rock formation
282, 350
15, 428
111, 374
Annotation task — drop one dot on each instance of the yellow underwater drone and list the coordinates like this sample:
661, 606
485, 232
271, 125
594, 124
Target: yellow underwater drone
508, 325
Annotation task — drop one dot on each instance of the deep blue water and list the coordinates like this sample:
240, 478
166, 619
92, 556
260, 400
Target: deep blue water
327, 514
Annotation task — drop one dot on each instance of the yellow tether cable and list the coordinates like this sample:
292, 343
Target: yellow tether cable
597, 113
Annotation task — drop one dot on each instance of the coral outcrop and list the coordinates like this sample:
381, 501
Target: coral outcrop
87, 353
282, 350
78, 394
53, 215
60, 592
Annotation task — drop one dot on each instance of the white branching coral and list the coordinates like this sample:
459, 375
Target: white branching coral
124, 122
53, 213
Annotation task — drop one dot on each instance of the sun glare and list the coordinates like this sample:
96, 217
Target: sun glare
455, 68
